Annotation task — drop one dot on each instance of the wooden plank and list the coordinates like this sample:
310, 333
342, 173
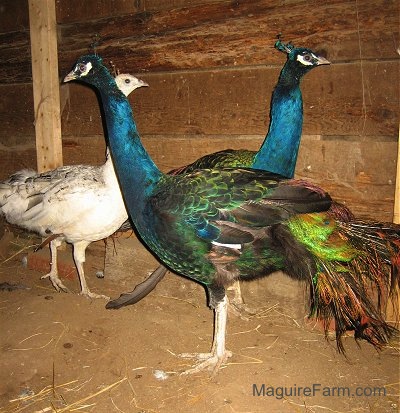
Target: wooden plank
46, 95
224, 34
228, 102
87, 150
69, 11
17, 158
15, 57
227, 35
82, 11
396, 208
238, 102
16, 113
14, 16
359, 173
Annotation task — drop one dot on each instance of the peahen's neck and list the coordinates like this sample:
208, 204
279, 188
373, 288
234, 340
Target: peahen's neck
279, 150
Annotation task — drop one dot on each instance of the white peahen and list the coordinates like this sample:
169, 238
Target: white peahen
78, 204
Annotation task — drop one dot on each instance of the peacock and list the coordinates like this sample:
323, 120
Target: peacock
278, 153
216, 226
78, 204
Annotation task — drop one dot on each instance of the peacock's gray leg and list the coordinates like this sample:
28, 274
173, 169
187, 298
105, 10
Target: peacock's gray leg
218, 354
236, 304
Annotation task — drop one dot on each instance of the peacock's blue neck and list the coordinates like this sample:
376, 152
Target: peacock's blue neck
281, 145
280, 148
136, 171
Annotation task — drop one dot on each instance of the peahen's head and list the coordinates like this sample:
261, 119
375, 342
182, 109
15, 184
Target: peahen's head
128, 83
300, 61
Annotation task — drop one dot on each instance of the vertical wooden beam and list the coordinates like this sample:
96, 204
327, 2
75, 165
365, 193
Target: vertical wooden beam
393, 313
46, 92
396, 211
396, 214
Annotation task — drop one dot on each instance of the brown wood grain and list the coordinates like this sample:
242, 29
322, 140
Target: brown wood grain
360, 174
221, 35
46, 91
211, 67
227, 34
238, 102
14, 16
232, 102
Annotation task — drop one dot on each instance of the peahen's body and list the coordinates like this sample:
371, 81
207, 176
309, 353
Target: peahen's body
78, 204
278, 153
218, 226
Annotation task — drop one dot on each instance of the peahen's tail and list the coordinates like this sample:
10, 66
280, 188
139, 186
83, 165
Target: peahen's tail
358, 267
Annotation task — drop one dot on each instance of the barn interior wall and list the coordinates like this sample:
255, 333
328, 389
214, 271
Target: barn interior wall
211, 67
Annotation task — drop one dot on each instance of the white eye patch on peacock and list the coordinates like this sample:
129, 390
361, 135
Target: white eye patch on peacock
306, 59
83, 69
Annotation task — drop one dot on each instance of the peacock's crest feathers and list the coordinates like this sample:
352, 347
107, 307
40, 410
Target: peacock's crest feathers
286, 48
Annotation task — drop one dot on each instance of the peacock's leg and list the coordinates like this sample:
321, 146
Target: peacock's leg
79, 258
219, 354
236, 304
53, 274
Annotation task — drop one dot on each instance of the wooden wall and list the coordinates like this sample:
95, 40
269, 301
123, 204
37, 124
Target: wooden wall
211, 67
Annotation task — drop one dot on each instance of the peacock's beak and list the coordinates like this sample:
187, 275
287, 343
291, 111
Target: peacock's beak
70, 76
322, 61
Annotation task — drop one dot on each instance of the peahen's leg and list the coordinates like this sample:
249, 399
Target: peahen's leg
79, 258
53, 274
218, 354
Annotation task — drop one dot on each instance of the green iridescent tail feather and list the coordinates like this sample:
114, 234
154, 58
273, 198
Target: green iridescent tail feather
358, 266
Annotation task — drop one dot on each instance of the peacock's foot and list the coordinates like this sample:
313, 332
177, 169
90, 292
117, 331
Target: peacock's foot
207, 361
89, 294
57, 283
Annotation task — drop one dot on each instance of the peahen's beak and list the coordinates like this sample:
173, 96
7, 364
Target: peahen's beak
322, 61
140, 81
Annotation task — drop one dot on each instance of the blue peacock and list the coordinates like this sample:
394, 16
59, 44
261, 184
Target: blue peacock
217, 226
278, 153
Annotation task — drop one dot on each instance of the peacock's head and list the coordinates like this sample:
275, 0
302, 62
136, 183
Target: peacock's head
85, 69
300, 60
304, 56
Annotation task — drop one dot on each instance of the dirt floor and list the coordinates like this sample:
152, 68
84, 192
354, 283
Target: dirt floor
65, 353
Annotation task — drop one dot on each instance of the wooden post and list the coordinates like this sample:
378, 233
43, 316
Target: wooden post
394, 313
396, 212
46, 92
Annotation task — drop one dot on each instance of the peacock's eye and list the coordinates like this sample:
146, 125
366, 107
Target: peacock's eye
127, 81
82, 67
307, 57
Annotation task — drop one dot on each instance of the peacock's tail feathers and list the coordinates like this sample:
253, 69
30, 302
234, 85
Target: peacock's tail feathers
319, 234
354, 297
357, 277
